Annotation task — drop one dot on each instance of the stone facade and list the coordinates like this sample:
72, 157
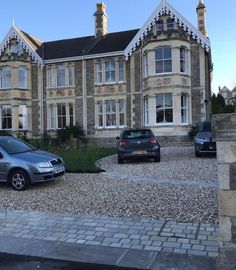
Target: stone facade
225, 128
71, 87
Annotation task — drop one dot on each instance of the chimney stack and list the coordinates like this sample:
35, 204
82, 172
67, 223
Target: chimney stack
100, 20
201, 17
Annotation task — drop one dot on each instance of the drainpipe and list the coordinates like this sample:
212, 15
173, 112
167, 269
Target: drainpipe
41, 95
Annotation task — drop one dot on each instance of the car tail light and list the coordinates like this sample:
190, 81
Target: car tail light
123, 143
153, 141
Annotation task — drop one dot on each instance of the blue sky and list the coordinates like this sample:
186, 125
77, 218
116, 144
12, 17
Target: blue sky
61, 19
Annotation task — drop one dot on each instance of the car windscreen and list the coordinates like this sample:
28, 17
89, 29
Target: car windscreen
206, 127
137, 134
14, 146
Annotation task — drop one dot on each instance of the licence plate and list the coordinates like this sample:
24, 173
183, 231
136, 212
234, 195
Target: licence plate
140, 152
60, 169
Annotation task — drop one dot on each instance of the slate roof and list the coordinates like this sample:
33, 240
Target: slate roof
111, 42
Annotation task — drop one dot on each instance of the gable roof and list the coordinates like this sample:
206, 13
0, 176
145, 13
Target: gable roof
111, 42
165, 8
29, 43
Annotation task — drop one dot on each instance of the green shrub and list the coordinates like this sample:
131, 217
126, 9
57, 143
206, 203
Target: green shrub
65, 134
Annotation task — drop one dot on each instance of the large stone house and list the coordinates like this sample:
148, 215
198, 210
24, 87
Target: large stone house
158, 76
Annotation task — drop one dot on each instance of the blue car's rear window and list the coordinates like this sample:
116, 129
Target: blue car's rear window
137, 134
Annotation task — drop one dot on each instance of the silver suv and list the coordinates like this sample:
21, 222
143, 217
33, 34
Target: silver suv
22, 164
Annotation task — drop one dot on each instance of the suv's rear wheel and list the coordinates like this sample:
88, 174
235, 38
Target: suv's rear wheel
19, 180
157, 158
120, 160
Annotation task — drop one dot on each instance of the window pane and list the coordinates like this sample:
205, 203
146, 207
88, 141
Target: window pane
6, 117
22, 77
168, 100
160, 116
167, 52
159, 53
169, 115
22, 118
60, 76
167, 66
61, 115
159, 100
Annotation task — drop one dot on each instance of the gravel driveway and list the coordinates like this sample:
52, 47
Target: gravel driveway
180, 188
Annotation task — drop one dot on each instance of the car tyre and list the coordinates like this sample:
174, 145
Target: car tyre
19, 180
120, 160
197, 154
157, 158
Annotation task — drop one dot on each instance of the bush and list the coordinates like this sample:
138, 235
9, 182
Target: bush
66, 134
192, 133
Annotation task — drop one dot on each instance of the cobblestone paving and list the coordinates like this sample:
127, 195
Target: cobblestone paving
131, 233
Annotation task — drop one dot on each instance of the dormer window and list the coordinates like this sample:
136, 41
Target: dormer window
14, 48
160, 25
170, 24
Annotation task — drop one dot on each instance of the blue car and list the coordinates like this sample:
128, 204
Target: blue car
21, 164
204, 142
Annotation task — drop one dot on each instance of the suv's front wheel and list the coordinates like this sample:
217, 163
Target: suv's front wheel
19, 180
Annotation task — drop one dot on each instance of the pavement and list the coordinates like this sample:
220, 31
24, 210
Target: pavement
102, 242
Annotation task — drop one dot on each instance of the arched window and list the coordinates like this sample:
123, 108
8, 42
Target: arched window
160, 25
5, 77
170, 24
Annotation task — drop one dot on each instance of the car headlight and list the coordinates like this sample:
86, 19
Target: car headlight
44, 165
200, 140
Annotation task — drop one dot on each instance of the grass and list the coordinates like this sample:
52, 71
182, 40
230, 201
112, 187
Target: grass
83, 160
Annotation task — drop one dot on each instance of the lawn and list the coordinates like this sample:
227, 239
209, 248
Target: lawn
83, 160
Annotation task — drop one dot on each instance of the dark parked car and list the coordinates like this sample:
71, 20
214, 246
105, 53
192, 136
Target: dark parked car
21, 164
138, 143
204, 141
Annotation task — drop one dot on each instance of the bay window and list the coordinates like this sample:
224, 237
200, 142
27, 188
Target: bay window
183, 58
164, 108
22, 77
22, 117
5, 77
6, 117
184, 109
163, 59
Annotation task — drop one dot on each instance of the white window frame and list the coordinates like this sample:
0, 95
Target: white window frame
3, 107
184, 109
145, 64
5, 77
146, 111
183, 59
61, 76
99, 72
110, 71
120, 70
164, 108
70, 75
104, 110
23, 116
22, 77
163, 60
